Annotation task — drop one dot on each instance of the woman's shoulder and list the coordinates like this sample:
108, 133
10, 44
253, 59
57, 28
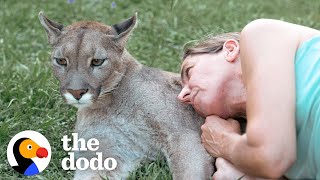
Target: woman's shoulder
278, 30
308, 34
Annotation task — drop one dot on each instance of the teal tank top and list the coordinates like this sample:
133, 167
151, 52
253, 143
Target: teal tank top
307, 76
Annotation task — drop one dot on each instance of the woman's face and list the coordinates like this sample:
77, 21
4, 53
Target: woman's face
205, 83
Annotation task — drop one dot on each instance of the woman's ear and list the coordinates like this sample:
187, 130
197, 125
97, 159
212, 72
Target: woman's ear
231, 48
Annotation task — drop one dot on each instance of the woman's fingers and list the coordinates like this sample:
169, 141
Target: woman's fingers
235, 125
214, 133
226, 170
220, 162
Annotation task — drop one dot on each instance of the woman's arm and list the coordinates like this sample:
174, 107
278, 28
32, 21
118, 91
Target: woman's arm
268, 148
267, 49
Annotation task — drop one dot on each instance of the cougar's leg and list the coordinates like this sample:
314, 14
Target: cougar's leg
125, 164
187, 157
122, 171
87, 174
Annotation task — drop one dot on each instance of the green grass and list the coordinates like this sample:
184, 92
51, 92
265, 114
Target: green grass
29, 96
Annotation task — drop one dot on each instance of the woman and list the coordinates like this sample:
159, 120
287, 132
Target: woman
269, 74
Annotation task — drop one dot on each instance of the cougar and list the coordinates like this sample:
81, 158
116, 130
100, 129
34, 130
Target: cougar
131, 109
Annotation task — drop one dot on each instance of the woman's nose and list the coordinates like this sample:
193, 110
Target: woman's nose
184, 95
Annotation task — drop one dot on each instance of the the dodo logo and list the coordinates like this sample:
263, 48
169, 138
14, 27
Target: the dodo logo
29, 152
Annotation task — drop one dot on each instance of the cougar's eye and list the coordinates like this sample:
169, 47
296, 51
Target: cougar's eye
97, 62
61, 61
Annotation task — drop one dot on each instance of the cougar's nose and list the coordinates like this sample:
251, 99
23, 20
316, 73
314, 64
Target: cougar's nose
77, 93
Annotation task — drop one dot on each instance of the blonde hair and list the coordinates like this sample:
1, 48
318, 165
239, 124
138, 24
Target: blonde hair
209, 44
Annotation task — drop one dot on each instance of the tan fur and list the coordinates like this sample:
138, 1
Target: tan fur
133, 110
96, 26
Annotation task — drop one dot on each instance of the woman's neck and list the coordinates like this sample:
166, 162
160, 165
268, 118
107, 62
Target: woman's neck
238, 98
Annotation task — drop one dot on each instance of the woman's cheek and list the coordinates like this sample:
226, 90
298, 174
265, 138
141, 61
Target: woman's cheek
209, 103
199, 111
201, 105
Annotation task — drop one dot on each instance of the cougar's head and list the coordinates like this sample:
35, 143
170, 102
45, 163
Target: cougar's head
86, 57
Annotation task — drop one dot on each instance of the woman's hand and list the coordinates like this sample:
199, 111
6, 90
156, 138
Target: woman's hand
226, 170
215, 132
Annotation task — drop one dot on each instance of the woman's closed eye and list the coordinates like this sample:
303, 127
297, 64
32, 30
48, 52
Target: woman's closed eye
188, 72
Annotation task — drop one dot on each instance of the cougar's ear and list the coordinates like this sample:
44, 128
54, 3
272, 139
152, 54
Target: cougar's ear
124, 29
52, 28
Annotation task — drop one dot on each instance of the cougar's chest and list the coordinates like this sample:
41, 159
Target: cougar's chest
116, 131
